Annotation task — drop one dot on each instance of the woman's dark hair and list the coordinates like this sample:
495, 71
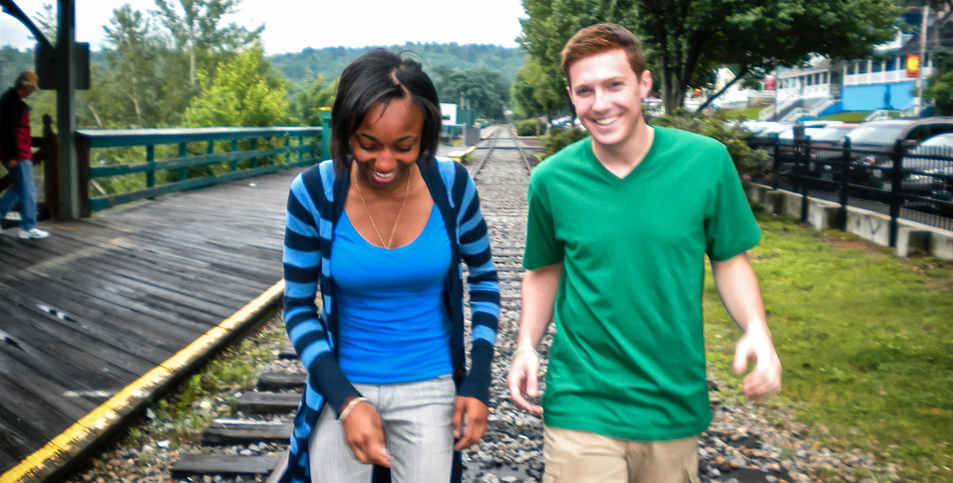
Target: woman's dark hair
381, 76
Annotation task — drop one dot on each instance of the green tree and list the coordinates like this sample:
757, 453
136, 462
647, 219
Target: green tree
197, 30
317, 93
244, 92
131, 49
686, 39
483, 89
535, 92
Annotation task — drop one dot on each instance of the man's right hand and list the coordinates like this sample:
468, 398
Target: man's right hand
522, 379
364, 434
10, 164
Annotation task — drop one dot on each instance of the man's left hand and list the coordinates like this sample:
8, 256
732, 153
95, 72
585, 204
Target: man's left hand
475, 414
765, 379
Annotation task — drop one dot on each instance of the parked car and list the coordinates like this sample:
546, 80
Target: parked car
873, 143
822, 145
927, 169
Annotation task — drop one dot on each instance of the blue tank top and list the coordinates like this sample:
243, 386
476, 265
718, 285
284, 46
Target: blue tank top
394, 326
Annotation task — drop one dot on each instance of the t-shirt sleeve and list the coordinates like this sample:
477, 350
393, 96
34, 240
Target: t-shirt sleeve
542, 247
730, 227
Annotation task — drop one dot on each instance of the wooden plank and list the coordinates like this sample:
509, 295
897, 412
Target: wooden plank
276, 381
74, 349
287, 354
267, 402
225, 465
142, 266
84, 287
31, 419
246, 433
125, 254
45, 389
124, 322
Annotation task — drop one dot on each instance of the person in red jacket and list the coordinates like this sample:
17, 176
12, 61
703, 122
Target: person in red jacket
16, 154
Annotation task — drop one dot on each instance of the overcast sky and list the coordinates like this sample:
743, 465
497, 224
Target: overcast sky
292, 25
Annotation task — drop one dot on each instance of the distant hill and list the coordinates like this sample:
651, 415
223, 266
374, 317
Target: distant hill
330, 61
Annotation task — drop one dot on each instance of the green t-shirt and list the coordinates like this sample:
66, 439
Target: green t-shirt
628, 357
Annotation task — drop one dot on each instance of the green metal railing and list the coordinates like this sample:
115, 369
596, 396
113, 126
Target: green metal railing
239, 155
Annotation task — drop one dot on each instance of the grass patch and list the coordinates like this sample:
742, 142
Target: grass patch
866, 340
857, 116
184, 414
749, 113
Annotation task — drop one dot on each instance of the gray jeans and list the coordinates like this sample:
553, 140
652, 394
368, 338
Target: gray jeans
418, 431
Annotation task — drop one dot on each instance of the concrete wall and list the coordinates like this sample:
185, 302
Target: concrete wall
866, 224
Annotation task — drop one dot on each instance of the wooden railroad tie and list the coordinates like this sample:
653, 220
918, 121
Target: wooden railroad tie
276, 381
267, 403
244, 432
225, 465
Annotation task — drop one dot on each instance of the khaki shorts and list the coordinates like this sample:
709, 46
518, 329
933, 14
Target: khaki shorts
582, 457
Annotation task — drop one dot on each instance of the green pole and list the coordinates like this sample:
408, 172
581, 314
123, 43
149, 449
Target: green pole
325, 133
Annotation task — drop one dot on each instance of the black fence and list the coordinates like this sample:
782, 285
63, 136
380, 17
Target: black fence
899, 179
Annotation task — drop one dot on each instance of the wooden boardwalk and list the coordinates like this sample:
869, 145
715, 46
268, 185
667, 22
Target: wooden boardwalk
105, 303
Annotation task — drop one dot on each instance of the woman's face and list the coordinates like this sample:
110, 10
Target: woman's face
387, 143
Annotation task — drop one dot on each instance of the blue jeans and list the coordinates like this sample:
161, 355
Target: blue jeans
23, 190
418, 432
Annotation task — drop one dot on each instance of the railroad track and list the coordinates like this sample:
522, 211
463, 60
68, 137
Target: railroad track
249, 446
508, 139
230, 448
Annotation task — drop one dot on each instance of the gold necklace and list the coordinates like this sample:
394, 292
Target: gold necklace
369, 217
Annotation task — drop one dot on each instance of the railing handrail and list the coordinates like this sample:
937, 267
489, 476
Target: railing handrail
227, 138
114, 138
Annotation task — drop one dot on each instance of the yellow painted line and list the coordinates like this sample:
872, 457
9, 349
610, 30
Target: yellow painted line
109, 412
495, 128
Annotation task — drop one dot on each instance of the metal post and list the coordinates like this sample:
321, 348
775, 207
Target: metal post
325, 134
844, 185
65, 111
233, 164
805, 154
254, 161
82, 175
151, 159
896, 190
776, 168
923, 50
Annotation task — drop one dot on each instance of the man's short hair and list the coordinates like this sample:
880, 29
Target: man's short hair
600, 38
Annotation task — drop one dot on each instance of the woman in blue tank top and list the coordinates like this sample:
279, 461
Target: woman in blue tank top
382, 229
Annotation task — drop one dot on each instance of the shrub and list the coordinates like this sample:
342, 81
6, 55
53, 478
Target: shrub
747, 161
529, 127
559, 138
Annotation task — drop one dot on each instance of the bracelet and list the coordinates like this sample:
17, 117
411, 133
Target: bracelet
350, 407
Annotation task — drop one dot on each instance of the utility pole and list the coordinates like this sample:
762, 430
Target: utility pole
923, 50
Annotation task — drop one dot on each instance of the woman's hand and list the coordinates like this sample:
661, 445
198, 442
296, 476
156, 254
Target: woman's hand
475, 413
364, 434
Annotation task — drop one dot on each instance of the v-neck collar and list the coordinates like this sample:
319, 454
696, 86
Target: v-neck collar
634, 173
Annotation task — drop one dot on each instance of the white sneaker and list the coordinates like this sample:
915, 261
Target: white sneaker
34, 234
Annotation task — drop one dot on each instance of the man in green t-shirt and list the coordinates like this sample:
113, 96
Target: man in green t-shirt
619, 225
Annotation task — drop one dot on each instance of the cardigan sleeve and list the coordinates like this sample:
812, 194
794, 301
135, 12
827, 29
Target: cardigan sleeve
302, 259
484, 289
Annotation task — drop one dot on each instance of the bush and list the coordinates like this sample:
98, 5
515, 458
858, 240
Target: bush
529, 127
559, 138
747, 161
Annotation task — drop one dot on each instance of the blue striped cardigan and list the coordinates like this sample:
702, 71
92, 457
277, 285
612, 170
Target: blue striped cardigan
315, 205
